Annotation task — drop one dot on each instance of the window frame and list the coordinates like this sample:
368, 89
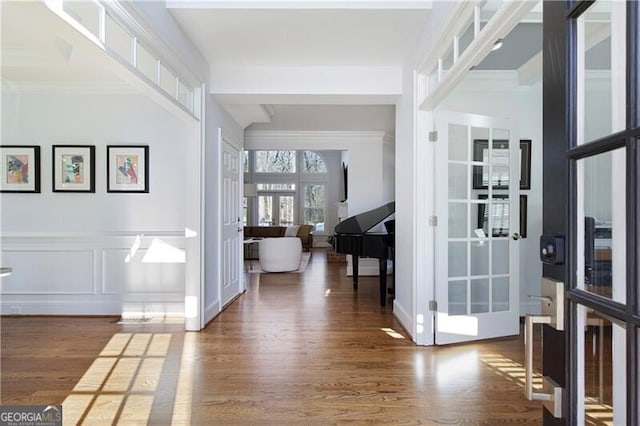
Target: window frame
300, 179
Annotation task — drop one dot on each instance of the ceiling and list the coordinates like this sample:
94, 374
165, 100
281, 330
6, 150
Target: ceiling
357, 33
326, 37
520, 45
38, 50
303, 38
378, 33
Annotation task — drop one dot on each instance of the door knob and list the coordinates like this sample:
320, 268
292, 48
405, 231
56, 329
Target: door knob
516, 236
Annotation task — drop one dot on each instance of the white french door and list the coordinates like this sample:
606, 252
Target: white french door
477, 203
231, 282
276, 209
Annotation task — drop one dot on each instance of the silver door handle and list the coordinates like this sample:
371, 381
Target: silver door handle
552, 314
546, 299
528, 355
551, 394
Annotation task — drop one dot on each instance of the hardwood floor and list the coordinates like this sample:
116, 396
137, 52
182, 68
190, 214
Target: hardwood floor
295, 349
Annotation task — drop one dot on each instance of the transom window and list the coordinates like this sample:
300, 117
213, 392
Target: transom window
312, 163
275, 161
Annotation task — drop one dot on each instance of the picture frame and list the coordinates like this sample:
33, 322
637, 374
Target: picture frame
525, 163
20, 168
128, 168
73, 168
500, 180
502, 213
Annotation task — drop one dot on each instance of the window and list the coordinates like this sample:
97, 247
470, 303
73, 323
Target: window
314, 206
292, 187
312, 163
276, 187
275, 161
245, 211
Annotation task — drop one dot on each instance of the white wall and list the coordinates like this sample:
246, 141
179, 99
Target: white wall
218, 125
408, 257
79, 241
412, 234
330, 117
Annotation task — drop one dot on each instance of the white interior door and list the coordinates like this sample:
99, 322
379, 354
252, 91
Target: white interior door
232, 283
477, 186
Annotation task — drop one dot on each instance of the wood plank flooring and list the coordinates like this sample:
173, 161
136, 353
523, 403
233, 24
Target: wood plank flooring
294, 349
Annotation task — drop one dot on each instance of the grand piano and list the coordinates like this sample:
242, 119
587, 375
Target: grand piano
351, 237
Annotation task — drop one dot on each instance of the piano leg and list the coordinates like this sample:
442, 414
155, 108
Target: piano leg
383, 282
355, 260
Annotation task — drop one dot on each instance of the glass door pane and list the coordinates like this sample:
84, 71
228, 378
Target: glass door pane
601, 65
602, 239
478, 225
276, 210
265, 210
286, 216
314, 206
602, 360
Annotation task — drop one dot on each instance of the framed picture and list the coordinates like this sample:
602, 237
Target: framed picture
127, 168
525, 164
500, 215
500, 175
19, 168
73, 168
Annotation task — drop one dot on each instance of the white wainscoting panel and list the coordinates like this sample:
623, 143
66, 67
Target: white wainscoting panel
135, 276
132, 275
54, 271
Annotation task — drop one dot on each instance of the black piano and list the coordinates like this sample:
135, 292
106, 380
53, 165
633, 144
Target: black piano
351, 237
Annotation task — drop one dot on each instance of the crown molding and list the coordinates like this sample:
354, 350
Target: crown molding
338, 140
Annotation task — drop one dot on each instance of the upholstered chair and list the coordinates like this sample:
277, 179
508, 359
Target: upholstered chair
280, 254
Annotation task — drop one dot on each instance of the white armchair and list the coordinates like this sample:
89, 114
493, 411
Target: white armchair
280, 254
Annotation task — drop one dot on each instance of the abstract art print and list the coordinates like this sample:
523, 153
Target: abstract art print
127, 168
19, 168
74, 168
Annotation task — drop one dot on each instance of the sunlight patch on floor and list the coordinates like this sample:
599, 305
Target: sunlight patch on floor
184, 389
463, 365
149, 318
511, 370
391, 332
121, 384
